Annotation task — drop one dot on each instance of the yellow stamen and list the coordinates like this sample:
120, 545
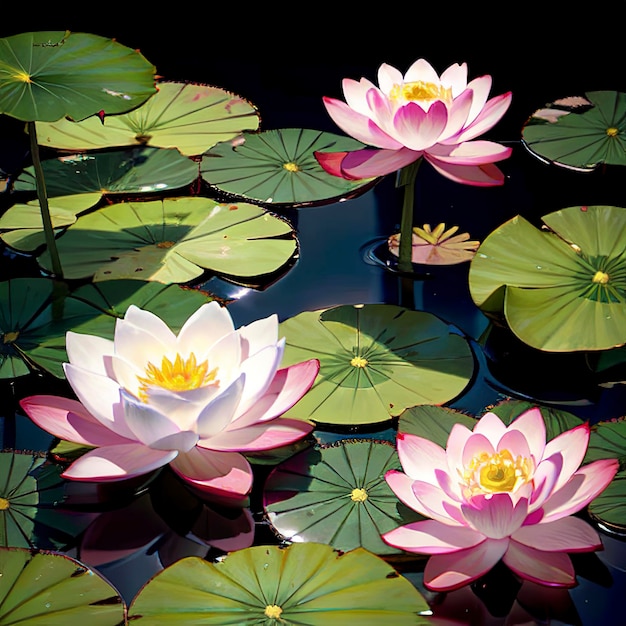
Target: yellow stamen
612, 131
4, 504
181, 375
10, 337
497, 473
291, 167
358, 361
419, 90
23, 77
359, 495
600, 277
273, 611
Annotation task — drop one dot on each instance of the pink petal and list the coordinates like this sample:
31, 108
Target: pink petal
495, 517
459, 434
331, 162
358, 126
418, 129
515, 442
355, 93
480, 88
432, 537
368, 163
470, 153
477, 176
546, 568
380, 111
421, 70
476, 445
492, 427
568, 534
420, 457
545, 479
458, 111
118, 462
491, 113
205, 327
388, 76
402, 486
530, 423
437, 504
225, 474
68, 419
455, 77
446, 572
572, 444
585, 485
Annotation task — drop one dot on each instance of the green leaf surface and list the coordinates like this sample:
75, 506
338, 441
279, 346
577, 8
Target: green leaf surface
338, 495
279, 167
376, 360
187, 116
565, 287
580, 137
308, 584
174, 241
45, 589
45, 76
433, 422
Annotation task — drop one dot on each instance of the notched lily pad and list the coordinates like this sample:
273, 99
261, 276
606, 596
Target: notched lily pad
376, 360
278, 167
187, 116
579, 133
562, 288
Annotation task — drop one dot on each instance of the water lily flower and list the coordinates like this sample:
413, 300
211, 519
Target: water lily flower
437, 246
196, 400
420, 114
498, 493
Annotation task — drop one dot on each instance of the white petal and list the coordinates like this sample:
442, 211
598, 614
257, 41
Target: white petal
204, 328
89, 352
258, 335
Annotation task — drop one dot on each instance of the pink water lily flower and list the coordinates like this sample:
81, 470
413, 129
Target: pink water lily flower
196, 400
420, 114
498, 492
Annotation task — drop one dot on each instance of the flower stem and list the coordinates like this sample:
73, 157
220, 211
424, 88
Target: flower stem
406, 180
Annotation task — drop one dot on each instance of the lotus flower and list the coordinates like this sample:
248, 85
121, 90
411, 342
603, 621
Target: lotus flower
420, 114
498, 492
195, 400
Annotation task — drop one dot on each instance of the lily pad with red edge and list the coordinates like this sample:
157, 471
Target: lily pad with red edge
337, 494
189, 117
31, 492
44, 588
278, 167
309, 584
174, 240
53, 74
562, 288
376, 360
579, 133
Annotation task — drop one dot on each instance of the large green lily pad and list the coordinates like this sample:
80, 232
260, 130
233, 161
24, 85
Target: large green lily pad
279, 167
45, 76
580, 133
376, 360
187, 116
174, 241
562, 289
308, 584
337, 494
44, 588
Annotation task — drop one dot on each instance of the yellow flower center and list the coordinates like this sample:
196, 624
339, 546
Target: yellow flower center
23, 77
419, 90
359, 495
358, 361
273, 611
612, 131
10, 337
291, 167
181, 375
4, 504
600, 277
497, 473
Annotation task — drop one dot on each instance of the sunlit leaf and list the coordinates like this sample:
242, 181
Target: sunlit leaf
376, 360
308, 584
186, 116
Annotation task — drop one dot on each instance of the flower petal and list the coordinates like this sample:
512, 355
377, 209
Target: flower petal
402, 486
206, 325
568, 534
258, 335
488, 117
259, 371
546, 568
477, 152
215, 416
478, 176
355, 93
89, 352
420, 457
495, 516
142, 337
530, 423
435, 503
369, 163
572, 444
418, 129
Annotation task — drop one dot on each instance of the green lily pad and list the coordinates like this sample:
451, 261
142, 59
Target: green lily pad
187, 116
308, 584
376, 360
562, 289
140, 170
337, 494
30, 490
580, 133
45, 76
174, 241
279, 167
45, 588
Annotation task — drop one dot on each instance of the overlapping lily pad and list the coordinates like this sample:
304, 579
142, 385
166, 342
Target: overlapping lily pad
580, 133
376, 360
47, 75
278, 167
337, 494
560, 289
309, 584
187, 116
174, 241
44, 588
